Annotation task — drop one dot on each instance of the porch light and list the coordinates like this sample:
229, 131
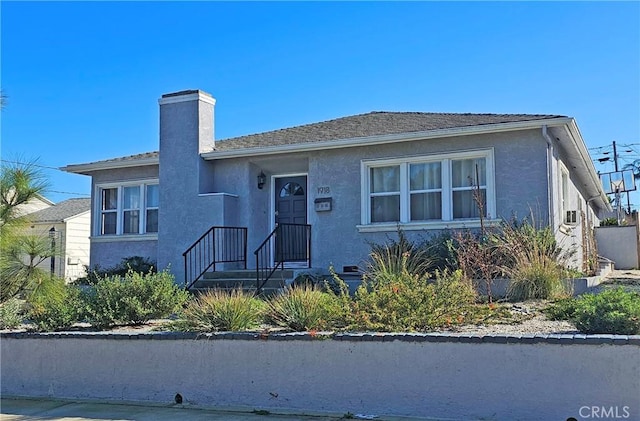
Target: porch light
52, 236
261, 180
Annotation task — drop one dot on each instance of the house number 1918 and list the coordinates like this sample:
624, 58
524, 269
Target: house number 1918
324, 190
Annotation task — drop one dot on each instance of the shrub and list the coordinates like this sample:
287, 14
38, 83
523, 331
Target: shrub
613, 311
10, 314
561, 309
136, 264
395, 257
443, 252
330, 283
538, 278
133, 299
532, 259
408, 302
221, 310
57, 308
303, 308
478, 258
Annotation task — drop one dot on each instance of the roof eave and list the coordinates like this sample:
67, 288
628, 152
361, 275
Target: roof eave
579, 144
87, 169
572, 127
392, 138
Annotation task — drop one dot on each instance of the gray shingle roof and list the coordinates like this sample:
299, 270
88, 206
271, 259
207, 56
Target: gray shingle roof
61, 211
145, 155
371, 124
375, 123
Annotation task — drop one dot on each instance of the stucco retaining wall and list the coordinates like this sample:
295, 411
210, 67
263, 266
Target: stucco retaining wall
438, 375
620, 244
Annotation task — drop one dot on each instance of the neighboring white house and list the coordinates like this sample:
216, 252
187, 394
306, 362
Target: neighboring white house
34, 205
319, 194
68, 226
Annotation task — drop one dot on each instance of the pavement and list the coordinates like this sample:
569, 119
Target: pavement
69, 410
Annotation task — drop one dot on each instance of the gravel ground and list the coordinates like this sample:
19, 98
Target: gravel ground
533, 321
536, 322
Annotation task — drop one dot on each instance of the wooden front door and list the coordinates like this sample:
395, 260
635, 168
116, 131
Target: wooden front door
291, 208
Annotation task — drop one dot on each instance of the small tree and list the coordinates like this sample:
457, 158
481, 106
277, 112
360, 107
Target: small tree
21, 253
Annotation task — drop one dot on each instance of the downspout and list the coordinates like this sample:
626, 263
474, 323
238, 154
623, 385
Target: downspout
591, 229
550, 181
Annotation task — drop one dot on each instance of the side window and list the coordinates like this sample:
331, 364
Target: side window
127, 209
108, 211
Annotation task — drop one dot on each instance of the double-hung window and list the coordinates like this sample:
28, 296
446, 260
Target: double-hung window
428, 189
128, 209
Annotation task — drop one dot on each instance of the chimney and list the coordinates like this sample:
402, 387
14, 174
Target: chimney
188, 117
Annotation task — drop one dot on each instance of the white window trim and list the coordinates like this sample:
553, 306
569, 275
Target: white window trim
447, 221
119, 235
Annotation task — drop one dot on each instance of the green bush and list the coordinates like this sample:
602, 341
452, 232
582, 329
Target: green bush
531, 258
133, 299
443, 252
613, 311
561, 309
221, 310
395, 257
537, 279
136, 264
10, 314
304, 308
408, 302
57, 308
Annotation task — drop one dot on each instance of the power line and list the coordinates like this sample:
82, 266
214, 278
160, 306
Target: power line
33, 164
67, 192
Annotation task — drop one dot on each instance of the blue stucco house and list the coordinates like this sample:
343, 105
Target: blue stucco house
316, 195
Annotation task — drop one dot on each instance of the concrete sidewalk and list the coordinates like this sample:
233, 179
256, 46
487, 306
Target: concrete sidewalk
67, 410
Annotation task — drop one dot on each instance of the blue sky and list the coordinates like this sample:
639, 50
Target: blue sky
83, 78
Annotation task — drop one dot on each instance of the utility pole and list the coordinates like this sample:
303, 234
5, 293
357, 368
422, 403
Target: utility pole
615, 163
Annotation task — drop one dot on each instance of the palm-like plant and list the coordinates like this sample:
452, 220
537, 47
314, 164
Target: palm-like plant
21, 253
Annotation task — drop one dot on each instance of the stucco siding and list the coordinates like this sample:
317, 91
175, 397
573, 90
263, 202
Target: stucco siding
572, 237
111, 252
558, 377
125, 174
108, 252
189, 205
520, 185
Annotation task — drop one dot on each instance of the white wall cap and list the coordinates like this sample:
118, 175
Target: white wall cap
192, 95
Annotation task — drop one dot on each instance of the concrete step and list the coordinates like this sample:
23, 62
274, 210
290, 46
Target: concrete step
246, 274
266, 292
231, 283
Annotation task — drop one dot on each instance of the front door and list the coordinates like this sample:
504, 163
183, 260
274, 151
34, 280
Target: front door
291, 208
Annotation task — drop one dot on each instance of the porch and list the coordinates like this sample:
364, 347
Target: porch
218, 259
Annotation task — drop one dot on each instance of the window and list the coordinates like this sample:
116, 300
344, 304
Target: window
291, 189
128, 209
564, 188
153, 197
385, 194
424, 190
109, 211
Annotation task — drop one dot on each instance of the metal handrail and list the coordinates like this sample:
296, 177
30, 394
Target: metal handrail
294, 245
217, 245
